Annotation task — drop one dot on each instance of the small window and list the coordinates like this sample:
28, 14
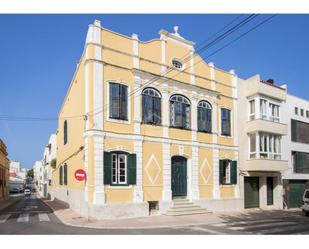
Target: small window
119, 169
296, 111
65, 174
302, 112
225, 122
118, 101
252, 109
65, 132
177, 64
306, 194
228, 171
307, 114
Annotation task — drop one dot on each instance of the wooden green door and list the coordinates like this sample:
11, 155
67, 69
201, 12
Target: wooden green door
295, 193
252, 197
179, 176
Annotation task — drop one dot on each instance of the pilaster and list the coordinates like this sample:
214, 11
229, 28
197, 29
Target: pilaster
138, 190
216, 190
167, 188
165, 104
137, 105
212, 75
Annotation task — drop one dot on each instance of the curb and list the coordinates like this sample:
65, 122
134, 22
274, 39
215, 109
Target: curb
125, 227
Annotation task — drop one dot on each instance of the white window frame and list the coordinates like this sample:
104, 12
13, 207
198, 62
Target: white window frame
274, 108
252, 154
272, 150
263, 108
118, 156
252, 114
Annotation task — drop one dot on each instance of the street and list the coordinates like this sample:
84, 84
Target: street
30, 215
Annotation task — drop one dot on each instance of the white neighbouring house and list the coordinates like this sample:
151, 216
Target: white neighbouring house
262, 131
296, 178
48, 156
42, 170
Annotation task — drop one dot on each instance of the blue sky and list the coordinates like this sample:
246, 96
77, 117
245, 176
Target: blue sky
38, 55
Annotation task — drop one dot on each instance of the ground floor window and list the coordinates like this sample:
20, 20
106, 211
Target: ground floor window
119, 168
228, 171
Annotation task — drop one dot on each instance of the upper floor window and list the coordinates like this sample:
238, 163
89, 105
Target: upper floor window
151, 102
252, 109
299, 131
204, 116
302, 112
307, 114
65, 132
225, 122
269, 146
177, 64
180, 111
296, 111
263, 109
118, 101
300, 161
60, 175
65, 174
274, 112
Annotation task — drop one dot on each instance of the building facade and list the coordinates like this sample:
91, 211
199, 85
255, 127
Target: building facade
4, 172
296, 178
262, 137
149, 122
46, 172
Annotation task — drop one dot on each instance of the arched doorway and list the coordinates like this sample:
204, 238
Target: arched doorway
179, 176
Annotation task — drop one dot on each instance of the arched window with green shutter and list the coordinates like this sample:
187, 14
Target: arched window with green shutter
65, 132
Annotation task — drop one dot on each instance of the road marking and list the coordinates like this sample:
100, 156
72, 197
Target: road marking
283, 229
23, 218
4, 217
204, 230
43, 217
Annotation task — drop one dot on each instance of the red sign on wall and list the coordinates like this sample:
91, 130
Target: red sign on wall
80, 175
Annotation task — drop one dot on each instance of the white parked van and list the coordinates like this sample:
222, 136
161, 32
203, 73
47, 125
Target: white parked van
305, 207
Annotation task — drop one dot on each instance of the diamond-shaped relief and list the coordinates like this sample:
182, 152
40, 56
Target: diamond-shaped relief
203, 171
152, 169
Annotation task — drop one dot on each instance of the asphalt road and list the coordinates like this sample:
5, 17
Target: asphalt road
30, 215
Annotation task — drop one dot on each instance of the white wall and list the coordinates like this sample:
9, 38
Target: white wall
289, 113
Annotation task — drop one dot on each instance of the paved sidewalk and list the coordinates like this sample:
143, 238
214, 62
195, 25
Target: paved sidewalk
11, 200
71, 218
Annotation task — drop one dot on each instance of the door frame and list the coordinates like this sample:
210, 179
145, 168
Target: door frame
258, 191
189, 175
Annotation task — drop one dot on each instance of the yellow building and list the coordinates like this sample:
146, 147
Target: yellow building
4, 172
150, 122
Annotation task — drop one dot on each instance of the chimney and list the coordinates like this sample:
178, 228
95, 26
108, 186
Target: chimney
270, 81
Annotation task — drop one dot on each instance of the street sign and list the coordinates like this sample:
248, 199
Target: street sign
80, 175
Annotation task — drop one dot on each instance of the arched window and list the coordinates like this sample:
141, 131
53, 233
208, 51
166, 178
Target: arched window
204, 116
151, 102
65, 132
180, 111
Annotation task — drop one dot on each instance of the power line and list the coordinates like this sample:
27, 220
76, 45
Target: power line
212, 43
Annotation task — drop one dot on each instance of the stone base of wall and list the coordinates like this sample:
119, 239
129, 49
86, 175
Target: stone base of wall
76, 201
222, 205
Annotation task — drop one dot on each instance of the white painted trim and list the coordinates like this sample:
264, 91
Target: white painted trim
212, 76
137, 105
98, 113
90, 133
167, 186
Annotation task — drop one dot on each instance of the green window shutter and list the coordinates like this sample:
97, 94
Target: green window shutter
221, 171
60, 175
131, 169
234, 172
65, 174
65, 132
107, 168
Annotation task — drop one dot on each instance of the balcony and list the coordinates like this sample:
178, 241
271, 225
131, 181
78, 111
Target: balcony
267, 165
254, 87
266, 126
